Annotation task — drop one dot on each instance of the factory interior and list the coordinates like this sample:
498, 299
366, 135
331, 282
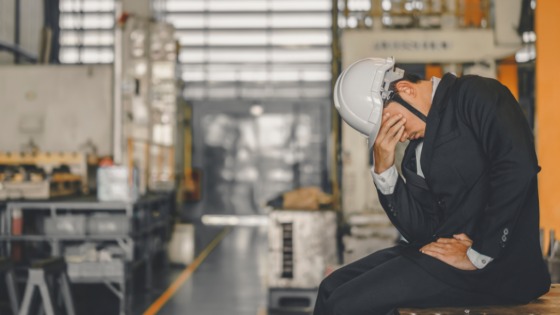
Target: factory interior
186, 157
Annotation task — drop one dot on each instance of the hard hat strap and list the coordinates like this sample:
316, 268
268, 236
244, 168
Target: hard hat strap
409, 107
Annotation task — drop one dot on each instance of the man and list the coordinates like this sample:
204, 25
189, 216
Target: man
467, 206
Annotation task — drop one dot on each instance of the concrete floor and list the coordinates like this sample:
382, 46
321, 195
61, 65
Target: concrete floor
229, 281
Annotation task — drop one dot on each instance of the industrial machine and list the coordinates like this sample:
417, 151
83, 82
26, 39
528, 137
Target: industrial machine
127, 111
123, 116
146, 113
461, 36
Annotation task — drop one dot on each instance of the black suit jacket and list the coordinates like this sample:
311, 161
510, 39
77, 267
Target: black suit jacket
481, 168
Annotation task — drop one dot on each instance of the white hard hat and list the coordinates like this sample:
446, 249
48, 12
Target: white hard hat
360, 91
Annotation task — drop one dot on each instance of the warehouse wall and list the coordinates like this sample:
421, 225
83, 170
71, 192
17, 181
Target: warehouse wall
31, 22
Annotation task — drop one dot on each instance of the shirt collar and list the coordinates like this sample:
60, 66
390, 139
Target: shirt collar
435, 83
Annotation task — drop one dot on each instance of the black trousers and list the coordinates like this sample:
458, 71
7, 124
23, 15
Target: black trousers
380, 283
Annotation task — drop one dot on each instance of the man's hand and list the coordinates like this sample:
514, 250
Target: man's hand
391, 131
452, 251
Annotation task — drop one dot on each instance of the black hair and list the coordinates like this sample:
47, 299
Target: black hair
410, 77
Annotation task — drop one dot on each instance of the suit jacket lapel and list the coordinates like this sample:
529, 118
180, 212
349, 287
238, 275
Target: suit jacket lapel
409, 166
408, 154
432, 123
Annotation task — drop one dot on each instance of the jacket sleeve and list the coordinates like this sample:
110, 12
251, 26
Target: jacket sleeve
415, 222
505, 138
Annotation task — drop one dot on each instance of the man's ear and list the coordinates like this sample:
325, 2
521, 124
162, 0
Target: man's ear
405, 87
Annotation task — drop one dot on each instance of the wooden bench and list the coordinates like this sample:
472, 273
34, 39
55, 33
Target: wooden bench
548, 304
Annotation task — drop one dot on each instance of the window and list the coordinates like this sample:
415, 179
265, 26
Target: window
250, 49
87, 31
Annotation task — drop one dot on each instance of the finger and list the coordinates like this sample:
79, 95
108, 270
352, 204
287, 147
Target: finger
404, 137
385, 131
434, 254
392, 119
384, 120
380, 136
465, 243
396, 127
398, 137
424, 247
462, 237
446, 240
433, 245
440, 249
385, 117
429, 244
395, 132
392, 139
440, 246
390, 122
401, 137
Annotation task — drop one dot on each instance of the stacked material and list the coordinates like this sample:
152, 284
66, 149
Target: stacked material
368, 234
302, 246
90, 260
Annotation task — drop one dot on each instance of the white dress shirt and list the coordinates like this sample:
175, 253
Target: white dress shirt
387, 181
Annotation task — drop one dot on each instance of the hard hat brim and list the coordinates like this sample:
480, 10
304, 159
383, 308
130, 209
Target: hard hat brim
371, 139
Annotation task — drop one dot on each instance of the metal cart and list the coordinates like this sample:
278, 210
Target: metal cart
147, 219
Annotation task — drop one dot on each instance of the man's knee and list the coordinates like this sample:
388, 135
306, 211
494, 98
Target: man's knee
327, 286
332, 305
341, 304
334, 280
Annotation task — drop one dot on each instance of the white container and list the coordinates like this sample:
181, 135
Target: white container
96, 270
74, 224
105, 224
181, 247
115, 183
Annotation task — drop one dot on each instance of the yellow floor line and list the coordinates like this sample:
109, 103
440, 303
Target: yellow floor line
185, 275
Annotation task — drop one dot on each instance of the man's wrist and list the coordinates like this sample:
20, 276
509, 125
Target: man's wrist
477, 259
380, 170
386, 180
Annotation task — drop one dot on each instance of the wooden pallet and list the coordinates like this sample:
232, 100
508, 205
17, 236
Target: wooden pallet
548, 304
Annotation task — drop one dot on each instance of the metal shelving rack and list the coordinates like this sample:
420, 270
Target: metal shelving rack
149, 217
